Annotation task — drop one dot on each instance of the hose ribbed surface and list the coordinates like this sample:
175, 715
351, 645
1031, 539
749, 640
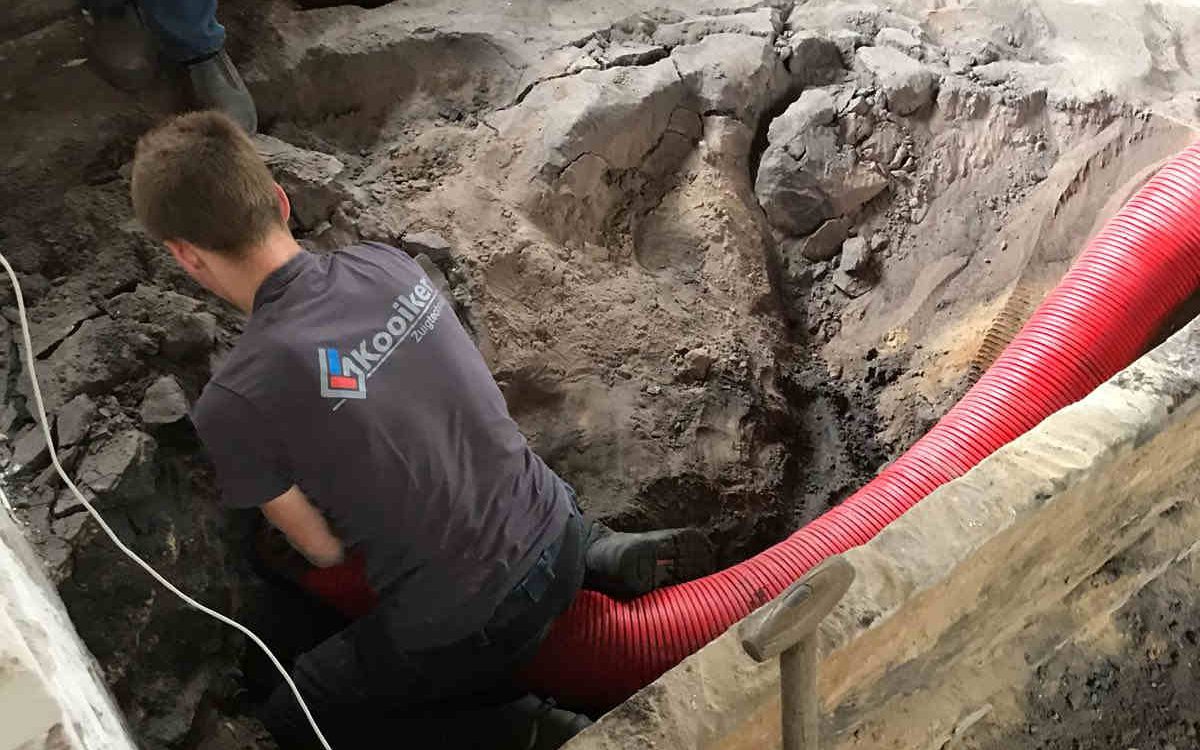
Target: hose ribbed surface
1130, 277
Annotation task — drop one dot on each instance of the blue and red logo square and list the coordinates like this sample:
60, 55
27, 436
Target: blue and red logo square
340, 378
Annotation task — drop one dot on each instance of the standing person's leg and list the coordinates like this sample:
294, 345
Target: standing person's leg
187, 30
118, 44
189, 34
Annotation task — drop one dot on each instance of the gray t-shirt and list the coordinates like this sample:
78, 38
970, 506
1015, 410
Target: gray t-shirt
354, 381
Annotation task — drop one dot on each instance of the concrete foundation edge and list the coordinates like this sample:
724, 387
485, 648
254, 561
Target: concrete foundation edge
52, 694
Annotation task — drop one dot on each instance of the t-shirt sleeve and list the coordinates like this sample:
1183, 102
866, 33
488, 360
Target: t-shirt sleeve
251, 467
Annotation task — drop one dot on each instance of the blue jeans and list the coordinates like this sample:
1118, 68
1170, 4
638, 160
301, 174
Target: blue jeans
187, 30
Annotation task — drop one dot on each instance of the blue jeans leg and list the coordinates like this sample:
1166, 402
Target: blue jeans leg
187, 30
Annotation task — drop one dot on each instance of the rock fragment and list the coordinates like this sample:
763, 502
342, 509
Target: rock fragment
908, 84
98, 356
856, 128
805, 177
824, 243
120, 469
30, 453
590, 114
634, 54
763, 22
856, 256
696, 365
190, 335
731, 74
431, 244
854, 275
792, 198
74, 420
309, 177
898, 39
814, 108
814, 59
164, 402
687, 123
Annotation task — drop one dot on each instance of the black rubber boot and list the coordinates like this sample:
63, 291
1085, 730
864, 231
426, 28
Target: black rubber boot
121, 48
216, 84
628, 565
538, 724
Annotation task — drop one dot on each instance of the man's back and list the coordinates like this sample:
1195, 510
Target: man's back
354, 381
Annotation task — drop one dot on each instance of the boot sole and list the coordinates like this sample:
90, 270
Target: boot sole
665, 558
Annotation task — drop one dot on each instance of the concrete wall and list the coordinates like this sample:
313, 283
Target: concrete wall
958, 602
51, 693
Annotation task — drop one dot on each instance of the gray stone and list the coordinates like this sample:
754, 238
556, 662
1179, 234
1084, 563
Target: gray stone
898, 39
189, 335
8, 417
852, 286
29, 449
309, 177
119, 469
824, 243
49, 480
665, 159
164, 402
854, 275
847, 41
68, 527
74, 420
590, 113
582, 63
55, 322
908, 84
431, 244
686, 123
763, 22
792, 198
731, 74
435, 275
814, 59
94, 359
804, 176
960, 99
883, 143
8, 362
856, 128
856, 256
814, 108
634, 54
696, 365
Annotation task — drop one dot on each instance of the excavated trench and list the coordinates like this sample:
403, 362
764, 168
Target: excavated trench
593, 194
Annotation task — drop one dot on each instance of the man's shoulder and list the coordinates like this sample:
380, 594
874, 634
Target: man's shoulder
257, 357
377, 253
216, 404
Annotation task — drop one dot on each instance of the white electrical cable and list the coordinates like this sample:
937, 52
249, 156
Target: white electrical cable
41, 413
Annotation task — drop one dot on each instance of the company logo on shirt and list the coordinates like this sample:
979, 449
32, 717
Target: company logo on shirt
340, 379
412, 317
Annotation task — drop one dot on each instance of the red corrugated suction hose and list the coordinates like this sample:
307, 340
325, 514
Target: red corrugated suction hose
1143, 264
1100, 317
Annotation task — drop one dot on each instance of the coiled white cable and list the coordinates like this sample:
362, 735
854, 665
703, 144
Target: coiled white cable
41, 413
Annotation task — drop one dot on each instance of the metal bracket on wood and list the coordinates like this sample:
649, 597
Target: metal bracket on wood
787, 628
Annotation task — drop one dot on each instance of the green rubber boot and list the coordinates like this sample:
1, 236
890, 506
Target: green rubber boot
628, 565
216, 84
